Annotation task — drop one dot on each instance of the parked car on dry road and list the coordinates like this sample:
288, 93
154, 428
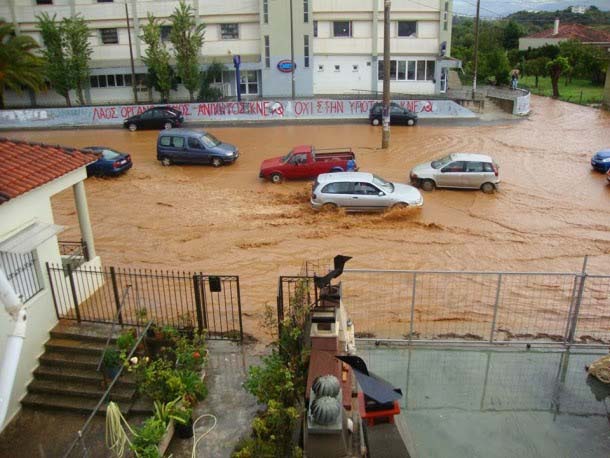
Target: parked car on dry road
155, 118
307, 162
358, 191
458, 170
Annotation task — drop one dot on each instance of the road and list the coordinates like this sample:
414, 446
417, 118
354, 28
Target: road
550, 212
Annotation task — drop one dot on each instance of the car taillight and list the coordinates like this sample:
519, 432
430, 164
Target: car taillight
495, 167
313, 196
116, 164
414, 176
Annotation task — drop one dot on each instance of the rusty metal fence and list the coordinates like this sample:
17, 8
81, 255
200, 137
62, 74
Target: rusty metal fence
483, 307
169, 298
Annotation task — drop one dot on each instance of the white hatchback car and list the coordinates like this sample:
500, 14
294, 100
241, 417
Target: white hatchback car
358, 191
458, 170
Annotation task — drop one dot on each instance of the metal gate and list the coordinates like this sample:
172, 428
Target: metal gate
133, 296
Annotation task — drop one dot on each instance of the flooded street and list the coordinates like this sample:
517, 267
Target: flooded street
550, 212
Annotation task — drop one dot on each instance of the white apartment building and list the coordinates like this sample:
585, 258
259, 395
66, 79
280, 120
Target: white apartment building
336, 45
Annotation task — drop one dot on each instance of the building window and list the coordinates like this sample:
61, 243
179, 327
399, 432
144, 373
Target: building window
44, 2
430, 65
166, 30
266, 11
305, 11
421, 70
411, 67
402, 70
337, 68
315, 28
342, 28
392, 70
248, 82
320, 68
105, 1
109, 36
354, 68
229, 31
118, 80
407, 28
267, 52
21, 272
306, 50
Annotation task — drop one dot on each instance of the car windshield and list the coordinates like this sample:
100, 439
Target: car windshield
441, 162
110, 155
210, 141
381, 183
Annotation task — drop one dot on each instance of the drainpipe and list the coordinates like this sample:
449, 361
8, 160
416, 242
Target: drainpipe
14, 343
82, 211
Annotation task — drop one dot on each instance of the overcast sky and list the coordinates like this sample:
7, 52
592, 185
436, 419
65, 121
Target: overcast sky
505, 7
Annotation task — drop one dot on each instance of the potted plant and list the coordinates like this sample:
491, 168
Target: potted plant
183, 418
158, 337
126, 340
111, 362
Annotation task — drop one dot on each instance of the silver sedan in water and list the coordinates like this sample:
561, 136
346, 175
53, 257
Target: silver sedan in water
358, 191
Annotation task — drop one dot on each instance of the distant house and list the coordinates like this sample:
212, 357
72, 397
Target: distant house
580, 9
565, 32
30, 174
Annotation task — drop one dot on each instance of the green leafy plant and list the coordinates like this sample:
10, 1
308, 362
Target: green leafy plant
126, 340
147, 437
111, 358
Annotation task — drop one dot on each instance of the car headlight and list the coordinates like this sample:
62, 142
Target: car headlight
229, 153
606, 159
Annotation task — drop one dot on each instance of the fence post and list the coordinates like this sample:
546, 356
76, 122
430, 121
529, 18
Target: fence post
497, 303
412, 307
196, 284
52, 290
73, 289
576, 311
241, 325
280, 306
115, 290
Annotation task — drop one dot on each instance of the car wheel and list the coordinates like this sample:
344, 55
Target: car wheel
166, 161
168, 125
411, 122
375, 122
132, 127
400, 205
488, 188
216, 161
336, 169
276, 178
428, 185
329, 207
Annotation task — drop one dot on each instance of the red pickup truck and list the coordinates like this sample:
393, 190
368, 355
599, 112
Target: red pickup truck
306, 162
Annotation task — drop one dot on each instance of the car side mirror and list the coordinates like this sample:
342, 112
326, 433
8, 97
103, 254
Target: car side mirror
381, 194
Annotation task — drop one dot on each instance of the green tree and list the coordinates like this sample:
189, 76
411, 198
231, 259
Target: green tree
512, 33
78, 52
494, 66
19, 64
57, 64
157, 58
187, 37
207, 93
556, 68
536, 67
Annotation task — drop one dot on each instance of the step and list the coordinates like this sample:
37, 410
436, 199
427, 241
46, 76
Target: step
75, 346
120, 393
70, 403
72, 360
60, 373
97, 332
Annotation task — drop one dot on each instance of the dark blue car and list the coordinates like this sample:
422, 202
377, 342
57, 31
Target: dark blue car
110, 162
601, 160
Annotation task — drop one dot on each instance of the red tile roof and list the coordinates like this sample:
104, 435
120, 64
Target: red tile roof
25, 166
576, 32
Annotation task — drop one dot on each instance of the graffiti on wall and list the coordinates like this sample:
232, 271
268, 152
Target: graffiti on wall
259, 110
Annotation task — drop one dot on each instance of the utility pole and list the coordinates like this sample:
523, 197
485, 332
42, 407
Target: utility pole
385, 135
133, 71
476, 51
292, 65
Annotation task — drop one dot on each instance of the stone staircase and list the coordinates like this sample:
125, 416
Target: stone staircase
66, 378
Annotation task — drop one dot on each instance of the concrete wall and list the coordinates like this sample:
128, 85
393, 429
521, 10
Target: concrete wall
17, 214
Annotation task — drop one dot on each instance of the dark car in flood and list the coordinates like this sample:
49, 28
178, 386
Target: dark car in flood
185, 146
155, 118
398, 115
601, 160
110, 162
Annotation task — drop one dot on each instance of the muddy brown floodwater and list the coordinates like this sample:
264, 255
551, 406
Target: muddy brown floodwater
550, 212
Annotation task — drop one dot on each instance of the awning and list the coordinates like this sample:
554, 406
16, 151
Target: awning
26, 240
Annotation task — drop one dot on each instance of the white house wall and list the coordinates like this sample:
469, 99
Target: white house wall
328, 80
16, 214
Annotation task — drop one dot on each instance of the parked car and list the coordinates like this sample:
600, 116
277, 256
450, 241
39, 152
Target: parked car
155, 118
193, 147
398, 115
358, 191
110, 162
601, 160
458, 170
307, 162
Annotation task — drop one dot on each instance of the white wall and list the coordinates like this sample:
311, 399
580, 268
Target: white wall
16, 214
344, 81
